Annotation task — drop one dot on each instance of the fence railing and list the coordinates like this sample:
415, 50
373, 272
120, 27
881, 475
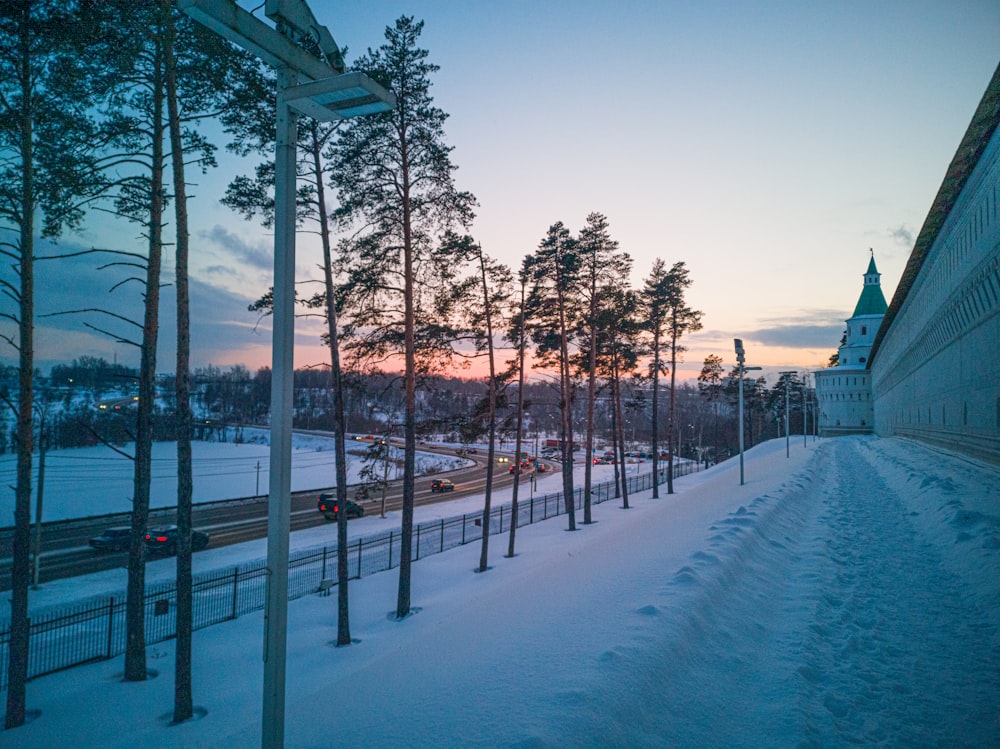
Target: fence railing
95, 631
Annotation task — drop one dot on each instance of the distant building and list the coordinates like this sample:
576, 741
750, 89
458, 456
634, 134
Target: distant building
844, 392
935, 364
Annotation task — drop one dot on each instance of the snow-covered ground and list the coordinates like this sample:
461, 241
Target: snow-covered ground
848, 595
90, 481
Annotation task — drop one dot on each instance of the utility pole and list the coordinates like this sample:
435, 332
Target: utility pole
740, 359
322, 89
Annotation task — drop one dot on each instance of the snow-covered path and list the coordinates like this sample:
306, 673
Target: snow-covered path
831, 619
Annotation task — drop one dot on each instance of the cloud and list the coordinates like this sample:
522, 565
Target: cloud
805, 336
902, 236
256, 256
96, 290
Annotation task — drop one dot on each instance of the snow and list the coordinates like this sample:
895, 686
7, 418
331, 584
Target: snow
846, 595
88, 481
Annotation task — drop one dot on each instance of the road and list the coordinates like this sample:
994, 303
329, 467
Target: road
65, 552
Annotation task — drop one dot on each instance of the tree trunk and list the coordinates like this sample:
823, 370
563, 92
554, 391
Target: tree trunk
183, 697
17, 663
339, 425
673, 401
656, 412
616, 397
591, 397
409, 405
566, 410
520, 425
492, 406
135, 635
615, 448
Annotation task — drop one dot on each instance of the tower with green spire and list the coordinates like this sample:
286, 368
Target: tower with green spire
863, 324
844, 391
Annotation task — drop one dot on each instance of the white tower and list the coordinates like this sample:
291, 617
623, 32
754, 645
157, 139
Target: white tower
844, 391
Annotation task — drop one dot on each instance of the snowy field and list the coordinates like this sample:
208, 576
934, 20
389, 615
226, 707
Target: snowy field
88, 481
847, 596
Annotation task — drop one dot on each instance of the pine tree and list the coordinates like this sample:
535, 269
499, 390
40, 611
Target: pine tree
681, 319
602, 268
395, 184
48, 173
710, 387
554, 272
655, 299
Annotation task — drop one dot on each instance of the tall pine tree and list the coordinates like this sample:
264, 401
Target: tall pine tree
395, 183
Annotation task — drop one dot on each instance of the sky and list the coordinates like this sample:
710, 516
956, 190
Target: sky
768, 145
846, 595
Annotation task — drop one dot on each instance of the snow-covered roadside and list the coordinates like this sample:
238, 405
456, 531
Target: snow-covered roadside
88, 481
809, 608
58, 593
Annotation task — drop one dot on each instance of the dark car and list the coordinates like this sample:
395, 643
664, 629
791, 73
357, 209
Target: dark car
112, 539
164, 540
442, 485
328, 505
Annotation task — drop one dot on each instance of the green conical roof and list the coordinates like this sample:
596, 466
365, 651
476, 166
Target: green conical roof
872, 300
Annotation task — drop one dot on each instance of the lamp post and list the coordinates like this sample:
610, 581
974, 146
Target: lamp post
787, 377
805, 379
740, 359
319, 88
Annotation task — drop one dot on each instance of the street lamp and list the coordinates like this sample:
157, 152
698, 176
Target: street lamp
321, 89
740, 359
787, 377
805, 379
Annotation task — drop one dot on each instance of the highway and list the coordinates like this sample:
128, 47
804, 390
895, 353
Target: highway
65, 552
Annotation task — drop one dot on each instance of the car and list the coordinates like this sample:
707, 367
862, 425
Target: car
442, 485
112, 539
542, 468
328, 505
525, 467
164, 540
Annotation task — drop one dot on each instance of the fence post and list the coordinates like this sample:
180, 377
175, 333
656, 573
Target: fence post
463, 528
359, 559
322, 573
111, 620
418, 543
236, 582
390, 550
531, 512
501, 518
442, 536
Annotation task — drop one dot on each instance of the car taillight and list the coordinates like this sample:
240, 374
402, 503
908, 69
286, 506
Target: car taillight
336, 509
322, 508
161, 539
148, 537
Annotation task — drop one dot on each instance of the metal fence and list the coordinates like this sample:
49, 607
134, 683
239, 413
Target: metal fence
96, 631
